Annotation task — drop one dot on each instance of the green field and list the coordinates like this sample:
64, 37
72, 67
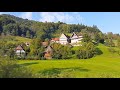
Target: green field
22, 39
106, 65
15, 39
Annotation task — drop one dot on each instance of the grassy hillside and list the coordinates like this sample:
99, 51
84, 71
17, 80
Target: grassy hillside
22, 39
16, 39
106, 65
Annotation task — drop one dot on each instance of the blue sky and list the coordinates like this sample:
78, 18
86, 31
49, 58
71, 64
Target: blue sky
106, 21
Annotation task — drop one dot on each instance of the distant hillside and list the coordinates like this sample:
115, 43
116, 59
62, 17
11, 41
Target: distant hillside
12, 25
18, 19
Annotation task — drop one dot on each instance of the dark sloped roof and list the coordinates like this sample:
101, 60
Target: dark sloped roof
49, 49
55, 39
74, 35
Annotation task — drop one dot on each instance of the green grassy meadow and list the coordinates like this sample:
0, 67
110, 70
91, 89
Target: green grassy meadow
16, 39
106, 65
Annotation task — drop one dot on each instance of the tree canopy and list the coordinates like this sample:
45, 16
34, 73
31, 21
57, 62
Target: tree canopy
12, 25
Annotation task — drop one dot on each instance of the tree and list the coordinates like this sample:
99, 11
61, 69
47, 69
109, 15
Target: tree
118, 43
10, 29
57, 50
91, 49
36, 49
86, 38
11, 53
99, 37
87, 50
112, 50
40, 34
47, 40
66, 52
12, 25
28, 34
10, 69
60, 51
41, 53
110, 35
110, 43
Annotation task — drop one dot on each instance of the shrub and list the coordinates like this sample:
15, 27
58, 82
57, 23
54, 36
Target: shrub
10, 69
88, 50
119, 52
112, 50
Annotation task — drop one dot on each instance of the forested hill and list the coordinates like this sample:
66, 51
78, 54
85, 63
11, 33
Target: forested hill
12, 25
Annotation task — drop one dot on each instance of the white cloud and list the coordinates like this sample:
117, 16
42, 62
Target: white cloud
67, 17
27, 15
1, 13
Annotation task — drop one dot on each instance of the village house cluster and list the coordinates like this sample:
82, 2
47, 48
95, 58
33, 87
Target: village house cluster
64, 39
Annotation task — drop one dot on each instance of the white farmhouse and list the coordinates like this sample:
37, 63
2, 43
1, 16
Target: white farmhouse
75, 38
63, 39
19, 50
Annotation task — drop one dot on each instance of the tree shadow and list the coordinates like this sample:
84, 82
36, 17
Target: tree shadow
56, 71
27, 64
99, 52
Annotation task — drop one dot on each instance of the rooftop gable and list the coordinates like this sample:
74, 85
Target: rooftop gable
19, 47
49, 49
63, 36
74, 35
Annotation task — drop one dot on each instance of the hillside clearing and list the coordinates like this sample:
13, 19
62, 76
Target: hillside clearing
16, 39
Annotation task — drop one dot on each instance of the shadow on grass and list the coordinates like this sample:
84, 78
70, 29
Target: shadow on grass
27, 64
99, 52
56, 71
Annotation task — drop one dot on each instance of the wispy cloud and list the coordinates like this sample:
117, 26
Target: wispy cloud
1, 13
67, 17
26, 15
4, 13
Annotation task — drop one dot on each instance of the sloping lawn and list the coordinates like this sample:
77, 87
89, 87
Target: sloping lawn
18, 39
106, 65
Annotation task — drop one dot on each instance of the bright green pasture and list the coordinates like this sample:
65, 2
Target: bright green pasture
106, 65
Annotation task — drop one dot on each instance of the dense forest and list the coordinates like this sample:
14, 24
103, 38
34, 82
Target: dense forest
12, 25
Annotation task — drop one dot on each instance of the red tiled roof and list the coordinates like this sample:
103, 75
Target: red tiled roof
55, 39
19, 48
47, 55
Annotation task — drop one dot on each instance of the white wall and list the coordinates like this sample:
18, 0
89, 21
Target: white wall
63, 41
19, 51
74, 40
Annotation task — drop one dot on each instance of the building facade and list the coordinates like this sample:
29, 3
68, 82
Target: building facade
75, 38
19, 51
63, 39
